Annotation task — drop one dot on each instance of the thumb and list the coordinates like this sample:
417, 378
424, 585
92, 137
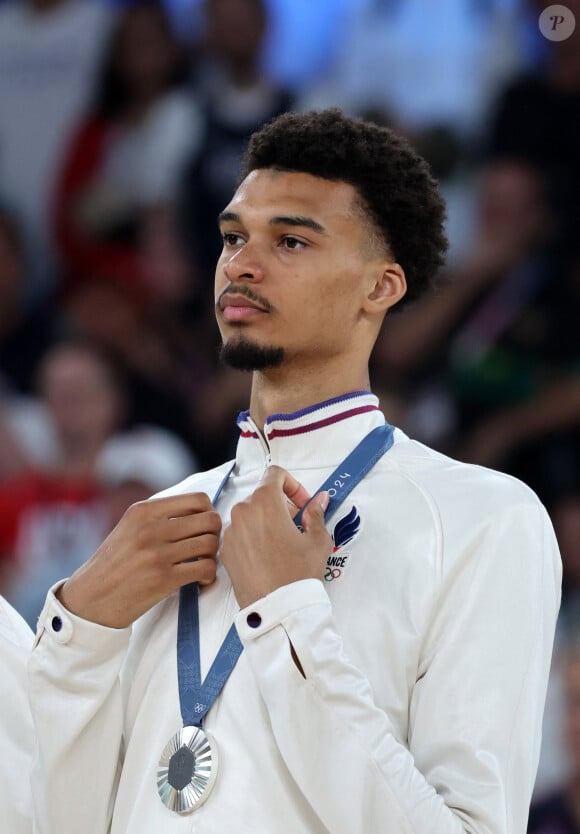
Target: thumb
313, 516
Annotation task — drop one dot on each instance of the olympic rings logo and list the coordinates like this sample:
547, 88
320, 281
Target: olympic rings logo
332, 573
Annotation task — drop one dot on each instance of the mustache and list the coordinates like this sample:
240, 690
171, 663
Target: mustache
247, 293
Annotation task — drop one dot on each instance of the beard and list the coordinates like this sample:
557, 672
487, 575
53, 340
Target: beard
245, 355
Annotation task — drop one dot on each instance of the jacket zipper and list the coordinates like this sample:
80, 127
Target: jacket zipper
264, 444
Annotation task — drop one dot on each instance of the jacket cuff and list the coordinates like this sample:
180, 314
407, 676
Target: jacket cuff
272, 610
62, 626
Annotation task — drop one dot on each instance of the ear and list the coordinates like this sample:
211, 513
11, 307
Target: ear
387, 290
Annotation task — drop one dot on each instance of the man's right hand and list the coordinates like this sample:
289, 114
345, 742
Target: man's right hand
158, 546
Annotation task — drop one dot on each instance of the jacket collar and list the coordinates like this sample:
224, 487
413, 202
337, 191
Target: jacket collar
314, 437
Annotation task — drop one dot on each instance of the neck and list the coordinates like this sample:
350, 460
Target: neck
78, 457
244, 72
277, 392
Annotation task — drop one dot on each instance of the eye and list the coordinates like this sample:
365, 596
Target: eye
232, 239
290, 242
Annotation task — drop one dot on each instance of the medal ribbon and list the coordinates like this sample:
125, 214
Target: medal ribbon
196, 698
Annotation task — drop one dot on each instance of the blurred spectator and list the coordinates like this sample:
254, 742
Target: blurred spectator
537, 117
236, 99
312, 31
50, 518
83, 398
24, 333
50, 51
427, 64
535, 433
495, 344
56, 514
126, 156
160, 374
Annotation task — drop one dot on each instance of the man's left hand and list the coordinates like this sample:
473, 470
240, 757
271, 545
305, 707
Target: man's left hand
262, 548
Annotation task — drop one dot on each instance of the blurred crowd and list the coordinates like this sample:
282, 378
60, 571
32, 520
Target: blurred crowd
122, 126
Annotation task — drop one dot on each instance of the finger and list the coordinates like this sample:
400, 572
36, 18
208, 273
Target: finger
189, 526
202, 571
293, 510
313, 516
290, 486
175, 506
199, 547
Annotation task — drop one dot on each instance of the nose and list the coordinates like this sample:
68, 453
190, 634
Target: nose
243, 266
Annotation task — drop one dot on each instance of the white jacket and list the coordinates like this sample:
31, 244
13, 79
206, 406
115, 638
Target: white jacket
426, 656
16, 734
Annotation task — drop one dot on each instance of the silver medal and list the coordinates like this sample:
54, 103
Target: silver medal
187, 770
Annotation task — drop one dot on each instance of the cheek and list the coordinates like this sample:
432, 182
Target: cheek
342, 301
324, 318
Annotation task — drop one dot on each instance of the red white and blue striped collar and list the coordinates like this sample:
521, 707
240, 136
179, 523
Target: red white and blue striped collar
312, 436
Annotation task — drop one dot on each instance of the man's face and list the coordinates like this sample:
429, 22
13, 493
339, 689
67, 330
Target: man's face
294, 270
83, 402
235, 28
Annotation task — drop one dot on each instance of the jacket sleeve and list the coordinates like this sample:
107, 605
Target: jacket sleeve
77, 712
475, 710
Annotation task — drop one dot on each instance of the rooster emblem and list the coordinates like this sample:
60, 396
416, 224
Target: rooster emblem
346, 529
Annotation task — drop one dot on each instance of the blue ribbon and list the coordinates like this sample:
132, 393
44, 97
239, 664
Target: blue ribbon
196, 698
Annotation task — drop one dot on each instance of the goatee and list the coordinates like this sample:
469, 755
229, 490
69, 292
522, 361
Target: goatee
248, 356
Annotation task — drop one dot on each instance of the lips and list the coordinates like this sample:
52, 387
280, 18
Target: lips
237, 307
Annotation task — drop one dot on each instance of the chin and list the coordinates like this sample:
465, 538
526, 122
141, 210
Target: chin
246, 355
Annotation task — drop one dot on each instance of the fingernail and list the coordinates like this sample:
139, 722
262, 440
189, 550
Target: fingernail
323, 498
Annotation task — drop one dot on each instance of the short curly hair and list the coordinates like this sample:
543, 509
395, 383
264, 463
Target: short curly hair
394, 184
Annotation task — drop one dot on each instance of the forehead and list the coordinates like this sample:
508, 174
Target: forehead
267, 193
69, 365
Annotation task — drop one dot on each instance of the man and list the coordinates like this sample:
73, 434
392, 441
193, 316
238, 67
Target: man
393, 666
16, 734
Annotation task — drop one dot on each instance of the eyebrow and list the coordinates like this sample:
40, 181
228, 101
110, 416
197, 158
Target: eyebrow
279, 220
